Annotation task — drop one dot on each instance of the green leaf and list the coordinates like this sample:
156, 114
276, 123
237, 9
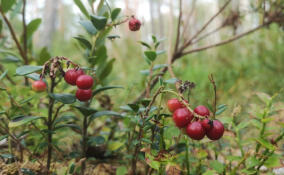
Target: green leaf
3, 137
171, 132
160, 52
65, 118
251, 162
81, 6
7, 156
98, 90
112, 37
122, 170
265, 144
63, 98
171, 81
21, 120
32, 27
6, 5
209, 172
217, 166
3, 74
44, 55
106, 70
1, 25
134, 107
242, 125
151, 55
24, 70
145, 44
273, 161
96, 140
264, 97
156, 67
85, 110
99, 21
84, 42
221, 110
89, 27
104, 113
72, 126
33, 76
115, 13
10, 59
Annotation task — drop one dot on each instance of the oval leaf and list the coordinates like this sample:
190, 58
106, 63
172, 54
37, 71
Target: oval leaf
64, 98
22, 120
99, 21
24, 70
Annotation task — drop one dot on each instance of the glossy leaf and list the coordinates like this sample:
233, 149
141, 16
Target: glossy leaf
96, 140
108, 113
18, 121
151, 55
6, 5
32, 27
171, 81
33, 76
63, 98
156, 67
24, 70
44, 55
85, 110
99, 21
3, 74
81, 6
10, 59
89, 27
84, 42
114, 14
106, 70
98, 90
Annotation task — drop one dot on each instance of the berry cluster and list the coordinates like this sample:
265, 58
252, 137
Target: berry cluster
196, 123
83, 82
72, 77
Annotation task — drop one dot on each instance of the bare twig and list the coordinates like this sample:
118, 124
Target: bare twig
11, 29
207, 34
178, 26
204, 26
225, 41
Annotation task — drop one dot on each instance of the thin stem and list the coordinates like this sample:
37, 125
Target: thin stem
187, 157
211, 78
49, 125
205, 25
11, 29
223, 42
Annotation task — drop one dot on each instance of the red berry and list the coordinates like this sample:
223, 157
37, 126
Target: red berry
206, 124
39, 86
84, 82
216, 131
195, 131
134, 24
83, 94
72, 74
182, 117
202, 110
174, 104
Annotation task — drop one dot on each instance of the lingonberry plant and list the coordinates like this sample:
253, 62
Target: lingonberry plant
57, 117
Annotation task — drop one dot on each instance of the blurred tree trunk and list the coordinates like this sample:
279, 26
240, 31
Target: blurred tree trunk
161, 21
152, 5
49, 21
